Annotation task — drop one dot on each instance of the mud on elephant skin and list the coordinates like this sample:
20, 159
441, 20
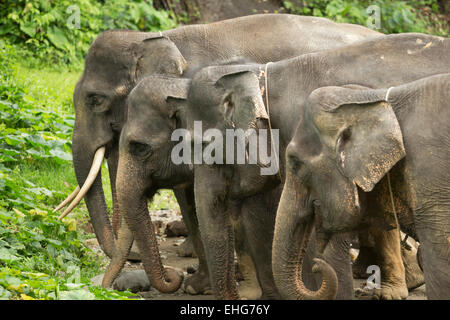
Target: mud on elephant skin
369, 144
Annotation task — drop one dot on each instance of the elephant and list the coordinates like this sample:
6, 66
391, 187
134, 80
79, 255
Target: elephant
177, 53
154, 112
117, 59
357, 148
229, 97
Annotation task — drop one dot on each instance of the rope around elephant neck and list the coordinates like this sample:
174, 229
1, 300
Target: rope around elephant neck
268, 116
393, 208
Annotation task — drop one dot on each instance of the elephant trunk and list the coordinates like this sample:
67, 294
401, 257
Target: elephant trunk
94, 198
291, 237
113, 162
132, 202
121, 252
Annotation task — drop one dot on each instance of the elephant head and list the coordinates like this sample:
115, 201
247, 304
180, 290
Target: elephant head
225, 99
154, 112
347, 139
115, 62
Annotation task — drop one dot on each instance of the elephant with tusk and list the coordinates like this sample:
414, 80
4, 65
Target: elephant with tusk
115, 63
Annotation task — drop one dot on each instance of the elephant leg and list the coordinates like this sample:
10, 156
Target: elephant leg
258, 221
433, 230
216, 230
337, 254
387, 245
199, 282
413, 273
249, 288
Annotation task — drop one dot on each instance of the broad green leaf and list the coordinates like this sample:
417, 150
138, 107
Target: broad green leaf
57, 37
28, 28
4, 294
79, 294
61, 155
7, 256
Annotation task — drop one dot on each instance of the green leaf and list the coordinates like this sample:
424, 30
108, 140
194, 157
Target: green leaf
28, 28
79, 294
7, 256
4, 294
55, 242
61, 154
57, 37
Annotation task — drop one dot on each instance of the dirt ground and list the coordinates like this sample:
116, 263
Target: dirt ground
168, 250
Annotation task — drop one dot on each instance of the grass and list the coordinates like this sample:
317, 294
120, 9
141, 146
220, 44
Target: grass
50, 89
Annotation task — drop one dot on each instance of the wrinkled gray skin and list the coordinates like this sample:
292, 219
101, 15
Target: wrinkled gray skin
113, 73
117, 59
351, 139
233, 95
224, 191
390, 61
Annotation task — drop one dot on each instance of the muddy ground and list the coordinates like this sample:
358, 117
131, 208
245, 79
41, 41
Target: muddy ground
168, 249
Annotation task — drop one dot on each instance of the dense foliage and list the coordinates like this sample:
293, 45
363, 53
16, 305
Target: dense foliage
62, 31
40, 257
395, 16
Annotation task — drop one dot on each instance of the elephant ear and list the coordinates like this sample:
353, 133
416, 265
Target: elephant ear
157, 55
241, 103
176, 98
366, 135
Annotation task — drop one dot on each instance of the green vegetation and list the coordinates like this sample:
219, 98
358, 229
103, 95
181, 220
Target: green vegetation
40, 257
395, 16
62, 31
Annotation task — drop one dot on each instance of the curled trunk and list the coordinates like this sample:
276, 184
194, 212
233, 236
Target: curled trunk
292, 234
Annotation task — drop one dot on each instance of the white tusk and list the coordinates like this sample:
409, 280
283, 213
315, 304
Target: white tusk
95, 168
68, 199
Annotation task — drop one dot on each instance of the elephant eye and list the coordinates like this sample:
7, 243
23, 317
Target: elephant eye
294, 163
97, 102
140, 150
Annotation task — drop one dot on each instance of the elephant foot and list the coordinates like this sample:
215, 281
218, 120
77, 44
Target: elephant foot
387, 292
413, 274
391, 292
366, 257
198, 283
186, 249
249, 291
